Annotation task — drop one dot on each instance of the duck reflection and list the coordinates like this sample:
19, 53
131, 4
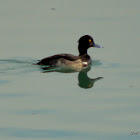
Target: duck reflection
83, 80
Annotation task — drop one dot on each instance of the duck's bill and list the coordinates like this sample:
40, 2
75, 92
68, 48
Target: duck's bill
97, 46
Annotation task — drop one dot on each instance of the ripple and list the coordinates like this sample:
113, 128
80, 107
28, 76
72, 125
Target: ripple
14, 66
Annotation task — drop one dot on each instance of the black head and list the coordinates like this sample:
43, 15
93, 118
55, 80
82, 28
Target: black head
86, 42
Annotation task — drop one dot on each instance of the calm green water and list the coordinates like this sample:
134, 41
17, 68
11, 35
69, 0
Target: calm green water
99, 103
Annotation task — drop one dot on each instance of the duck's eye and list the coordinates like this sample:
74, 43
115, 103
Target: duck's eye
89, 40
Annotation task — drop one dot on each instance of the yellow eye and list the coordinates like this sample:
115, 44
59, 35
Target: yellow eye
89, 86
90, 40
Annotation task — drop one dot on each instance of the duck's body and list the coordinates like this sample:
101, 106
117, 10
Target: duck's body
68, 60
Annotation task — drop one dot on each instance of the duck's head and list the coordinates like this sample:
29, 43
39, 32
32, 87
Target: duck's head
86, 42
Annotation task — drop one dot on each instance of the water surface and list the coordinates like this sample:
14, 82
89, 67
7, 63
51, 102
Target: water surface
100, 102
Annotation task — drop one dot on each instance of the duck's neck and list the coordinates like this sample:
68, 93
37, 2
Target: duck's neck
82, 50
